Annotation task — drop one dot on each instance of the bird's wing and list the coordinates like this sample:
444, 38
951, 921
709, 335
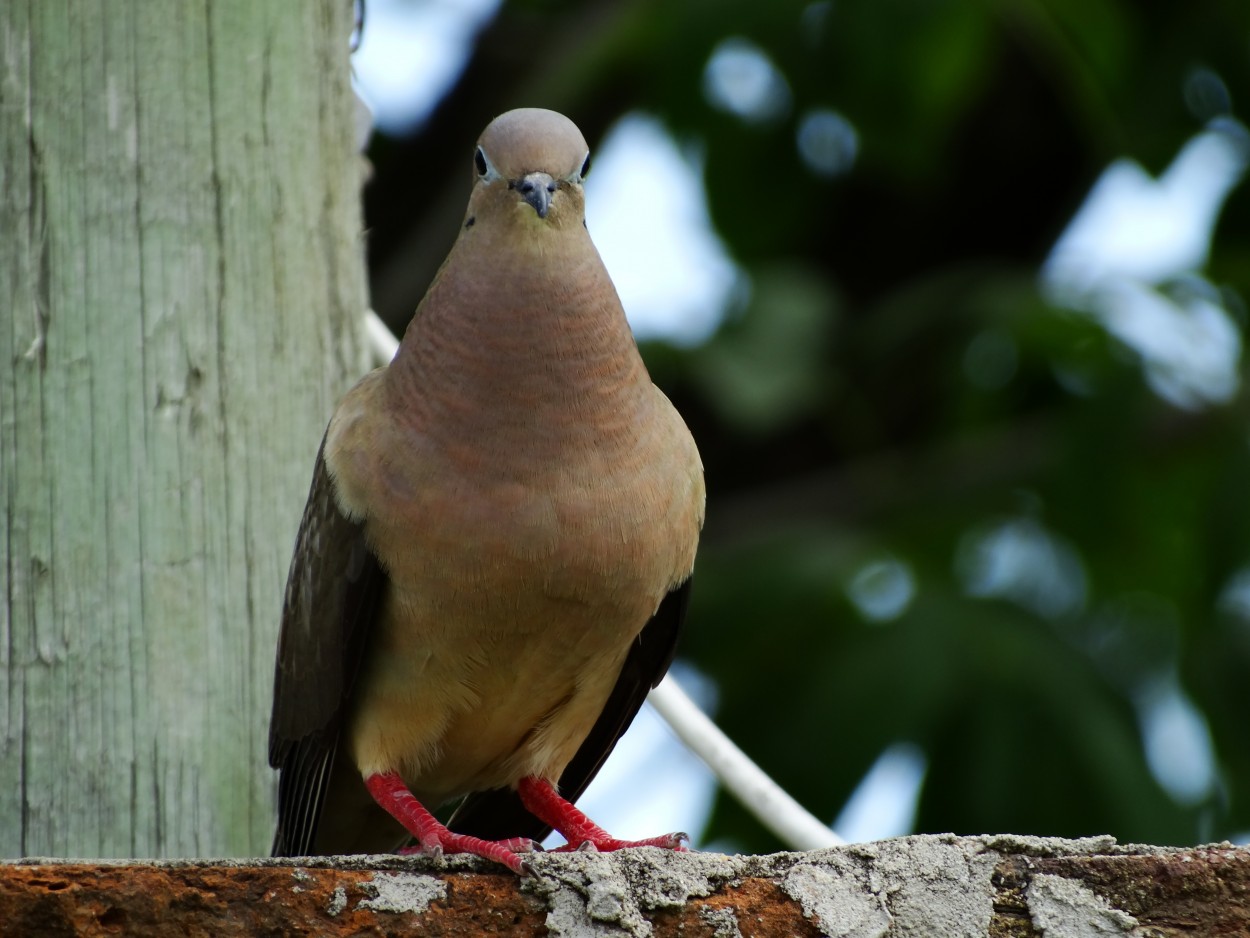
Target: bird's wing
333, 594
499, 814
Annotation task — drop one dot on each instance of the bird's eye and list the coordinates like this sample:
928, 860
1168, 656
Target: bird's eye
585, 167
479, 161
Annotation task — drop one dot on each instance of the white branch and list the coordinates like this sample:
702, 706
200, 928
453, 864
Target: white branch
795, 825
382, 342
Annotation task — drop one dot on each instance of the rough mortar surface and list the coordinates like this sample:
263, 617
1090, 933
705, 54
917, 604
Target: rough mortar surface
842, 903
723, 922
402, 892
1064, 908
338, 901
914, 886
921, 885
590, 893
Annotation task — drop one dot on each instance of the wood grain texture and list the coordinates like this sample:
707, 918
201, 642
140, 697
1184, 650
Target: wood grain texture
182, 274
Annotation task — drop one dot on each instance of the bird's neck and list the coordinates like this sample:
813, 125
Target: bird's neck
531, 350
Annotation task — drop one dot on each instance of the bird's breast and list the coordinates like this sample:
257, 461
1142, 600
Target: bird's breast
519, 577
567, 533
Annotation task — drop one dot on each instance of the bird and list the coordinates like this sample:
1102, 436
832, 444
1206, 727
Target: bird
495, 558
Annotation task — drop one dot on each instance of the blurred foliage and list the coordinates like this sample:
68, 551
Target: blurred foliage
896, 391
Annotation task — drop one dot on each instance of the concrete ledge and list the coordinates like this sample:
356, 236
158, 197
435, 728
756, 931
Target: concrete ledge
923, 885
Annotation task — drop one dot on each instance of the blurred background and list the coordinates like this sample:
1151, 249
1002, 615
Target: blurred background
952, 296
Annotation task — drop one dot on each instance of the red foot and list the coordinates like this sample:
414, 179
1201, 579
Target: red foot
389, 790
542, 801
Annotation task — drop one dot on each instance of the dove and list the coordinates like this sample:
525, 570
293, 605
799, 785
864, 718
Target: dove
494, 560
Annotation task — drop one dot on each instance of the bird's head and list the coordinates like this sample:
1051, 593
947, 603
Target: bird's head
528, 167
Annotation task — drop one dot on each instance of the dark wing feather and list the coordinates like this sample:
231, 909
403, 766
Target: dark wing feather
498, 814
333, 593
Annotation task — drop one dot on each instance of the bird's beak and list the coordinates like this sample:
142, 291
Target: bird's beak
537, 189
